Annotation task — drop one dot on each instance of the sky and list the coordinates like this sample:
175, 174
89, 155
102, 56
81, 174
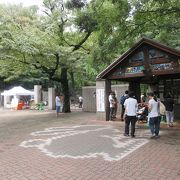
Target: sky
24, 2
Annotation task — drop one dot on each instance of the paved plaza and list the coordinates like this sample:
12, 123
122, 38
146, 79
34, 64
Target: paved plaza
38, 146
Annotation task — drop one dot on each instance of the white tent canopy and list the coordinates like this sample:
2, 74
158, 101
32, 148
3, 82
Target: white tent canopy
17, 91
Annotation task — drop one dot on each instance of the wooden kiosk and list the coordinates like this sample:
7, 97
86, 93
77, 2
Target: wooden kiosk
147, 62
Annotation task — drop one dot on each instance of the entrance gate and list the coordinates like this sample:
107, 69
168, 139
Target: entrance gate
147, 62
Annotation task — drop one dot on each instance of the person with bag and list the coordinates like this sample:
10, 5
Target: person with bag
154, 117
122, 100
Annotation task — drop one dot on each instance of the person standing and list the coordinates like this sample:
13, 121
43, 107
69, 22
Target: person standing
131, 106
154, 115
62, 103
58, 105
122, 100
112, 105
169, 106
80, 101
115, 106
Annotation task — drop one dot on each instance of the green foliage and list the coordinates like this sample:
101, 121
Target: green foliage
75, 4
81, 36
159, 19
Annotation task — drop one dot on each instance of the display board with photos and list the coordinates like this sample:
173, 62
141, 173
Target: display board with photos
128, 70
164, 66
133, 70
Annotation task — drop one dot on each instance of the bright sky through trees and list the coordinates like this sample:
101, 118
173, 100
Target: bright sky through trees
24, 2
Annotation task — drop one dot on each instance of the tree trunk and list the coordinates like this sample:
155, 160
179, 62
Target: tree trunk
65, 89
73, 83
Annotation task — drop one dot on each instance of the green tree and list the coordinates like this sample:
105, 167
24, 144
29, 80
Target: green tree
159, 19
34, 44
73, 41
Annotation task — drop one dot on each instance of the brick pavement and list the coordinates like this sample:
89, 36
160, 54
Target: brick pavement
156, 159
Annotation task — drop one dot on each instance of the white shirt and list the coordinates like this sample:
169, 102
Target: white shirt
58, 101
80, 99
111, 101
154, 108
130, 105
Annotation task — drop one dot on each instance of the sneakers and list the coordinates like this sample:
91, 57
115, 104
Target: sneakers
152, 137
133, 136
170, 125
156, 136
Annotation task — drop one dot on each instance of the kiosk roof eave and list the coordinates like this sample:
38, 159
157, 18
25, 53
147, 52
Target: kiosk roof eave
106, 71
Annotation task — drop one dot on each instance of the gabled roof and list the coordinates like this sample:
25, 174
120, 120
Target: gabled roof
133, 49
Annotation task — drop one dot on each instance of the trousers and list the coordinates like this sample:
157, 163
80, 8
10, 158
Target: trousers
130, 120
154, 125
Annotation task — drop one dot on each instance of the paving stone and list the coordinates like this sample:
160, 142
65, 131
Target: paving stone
75, 146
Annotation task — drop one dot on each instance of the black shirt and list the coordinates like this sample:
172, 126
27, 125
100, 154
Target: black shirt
169, 104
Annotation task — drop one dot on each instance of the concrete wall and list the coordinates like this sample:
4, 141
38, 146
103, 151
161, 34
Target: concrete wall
88, 93
89, 98
44, 95
51, 98
37, 93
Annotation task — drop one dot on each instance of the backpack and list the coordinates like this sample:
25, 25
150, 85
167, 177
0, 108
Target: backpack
122, 99
162, 108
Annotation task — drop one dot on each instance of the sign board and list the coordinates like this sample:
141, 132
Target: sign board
100, 100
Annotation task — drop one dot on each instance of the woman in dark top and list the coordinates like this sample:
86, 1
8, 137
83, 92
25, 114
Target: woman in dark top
169, 104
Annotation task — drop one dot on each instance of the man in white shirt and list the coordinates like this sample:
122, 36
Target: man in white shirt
80, 101
130, 105
111, 104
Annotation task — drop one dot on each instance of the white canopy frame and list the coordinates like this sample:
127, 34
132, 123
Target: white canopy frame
17, 91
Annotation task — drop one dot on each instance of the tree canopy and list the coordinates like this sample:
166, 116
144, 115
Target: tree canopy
72, 41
